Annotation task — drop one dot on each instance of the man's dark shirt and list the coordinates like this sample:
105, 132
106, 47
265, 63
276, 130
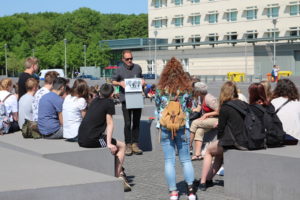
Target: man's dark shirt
124, 72
21, 83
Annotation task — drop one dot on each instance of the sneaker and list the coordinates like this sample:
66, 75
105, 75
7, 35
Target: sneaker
191, 193
136, 150
128, 151
173, 196
127, 187
204, 186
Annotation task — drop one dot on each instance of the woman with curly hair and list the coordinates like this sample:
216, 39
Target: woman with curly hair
286, 96
175, 85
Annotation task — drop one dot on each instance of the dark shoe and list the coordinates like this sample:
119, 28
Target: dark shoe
209, 183
202, 186
128, 151
136, 150
191, 193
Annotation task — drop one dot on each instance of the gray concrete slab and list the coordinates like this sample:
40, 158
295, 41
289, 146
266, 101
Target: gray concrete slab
28, 177
271, 174
62, 151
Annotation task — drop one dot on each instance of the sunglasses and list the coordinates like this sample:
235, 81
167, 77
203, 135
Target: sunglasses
127, 59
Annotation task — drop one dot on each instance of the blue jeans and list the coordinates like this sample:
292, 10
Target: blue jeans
181, 141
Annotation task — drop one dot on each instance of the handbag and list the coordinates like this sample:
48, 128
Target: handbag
30, 130
195, 115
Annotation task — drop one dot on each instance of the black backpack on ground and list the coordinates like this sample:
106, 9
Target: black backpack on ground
273, 126
254, 133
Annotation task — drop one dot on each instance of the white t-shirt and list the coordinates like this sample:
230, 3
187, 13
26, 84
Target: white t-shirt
25, 109
11, 103
35, 102
72, 118
289, 115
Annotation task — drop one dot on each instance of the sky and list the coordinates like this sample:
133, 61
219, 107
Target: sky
10, 7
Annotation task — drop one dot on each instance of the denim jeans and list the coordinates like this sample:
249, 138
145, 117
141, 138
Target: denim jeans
181, 141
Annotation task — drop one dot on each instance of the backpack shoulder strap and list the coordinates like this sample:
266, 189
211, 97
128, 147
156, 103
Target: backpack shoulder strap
238, 108
6, 98
261, 108
282, 106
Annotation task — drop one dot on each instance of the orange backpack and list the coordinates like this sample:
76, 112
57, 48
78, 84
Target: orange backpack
173, 117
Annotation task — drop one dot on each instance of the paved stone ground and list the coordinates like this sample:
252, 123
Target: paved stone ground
146, 175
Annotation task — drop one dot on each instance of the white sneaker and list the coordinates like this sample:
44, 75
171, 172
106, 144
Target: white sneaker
173, 196
127, 187
192, 197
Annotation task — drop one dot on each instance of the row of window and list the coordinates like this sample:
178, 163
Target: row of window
231, 16
163, 3
253, 34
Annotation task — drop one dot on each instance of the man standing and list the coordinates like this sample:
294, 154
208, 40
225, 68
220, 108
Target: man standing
129, 70
31, 66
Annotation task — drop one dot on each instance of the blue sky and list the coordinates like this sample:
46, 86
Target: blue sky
10, 7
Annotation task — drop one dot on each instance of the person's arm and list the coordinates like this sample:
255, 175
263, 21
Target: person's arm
109, 132
210, 114
60, 117
15, 116
83, 113
119, 83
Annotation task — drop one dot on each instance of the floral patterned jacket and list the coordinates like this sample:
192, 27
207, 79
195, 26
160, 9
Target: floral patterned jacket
162, 100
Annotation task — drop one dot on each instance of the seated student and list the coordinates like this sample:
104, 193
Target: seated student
228, 117
286, 96
49, 78
50, 111
98, 119
151, 92
11, 106
74, 109
25, 102
208, 105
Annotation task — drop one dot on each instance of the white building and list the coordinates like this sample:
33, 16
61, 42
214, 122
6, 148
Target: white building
214, 37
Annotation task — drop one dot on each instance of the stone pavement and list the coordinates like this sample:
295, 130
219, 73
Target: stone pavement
146, 175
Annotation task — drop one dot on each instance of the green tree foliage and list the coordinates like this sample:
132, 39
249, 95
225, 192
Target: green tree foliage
43, 35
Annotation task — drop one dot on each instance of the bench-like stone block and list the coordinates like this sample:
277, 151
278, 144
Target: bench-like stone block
271, 174
95, 159
29, 177
148, 110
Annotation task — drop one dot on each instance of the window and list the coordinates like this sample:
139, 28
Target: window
195, 1
231, 36
195, 38
160, 22
213, 37
195, 19
251, 14
157, 24
251, 34
294, 8
273, 10
160, 3
271, 32
178, 2
294, 31
232, 15
213, 17
178, 39
178, 21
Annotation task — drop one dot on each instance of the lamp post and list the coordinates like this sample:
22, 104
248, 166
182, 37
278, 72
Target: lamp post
274, 21
155, 63
65, 42
150, 59
5, 47
84, 51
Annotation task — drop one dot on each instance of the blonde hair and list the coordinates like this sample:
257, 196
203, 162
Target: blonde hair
267, 87
5, 83
31, 83
31, 61
228, 92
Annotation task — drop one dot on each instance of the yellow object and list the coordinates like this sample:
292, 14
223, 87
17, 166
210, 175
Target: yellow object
284, 73
236, 76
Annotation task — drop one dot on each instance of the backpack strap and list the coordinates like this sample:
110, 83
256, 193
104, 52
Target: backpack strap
6, 98
238, 108
261, 108
282, 106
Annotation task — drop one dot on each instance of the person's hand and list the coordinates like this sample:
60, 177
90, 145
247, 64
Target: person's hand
203, 117
143, 82
113, 149
216, 125
122, 84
